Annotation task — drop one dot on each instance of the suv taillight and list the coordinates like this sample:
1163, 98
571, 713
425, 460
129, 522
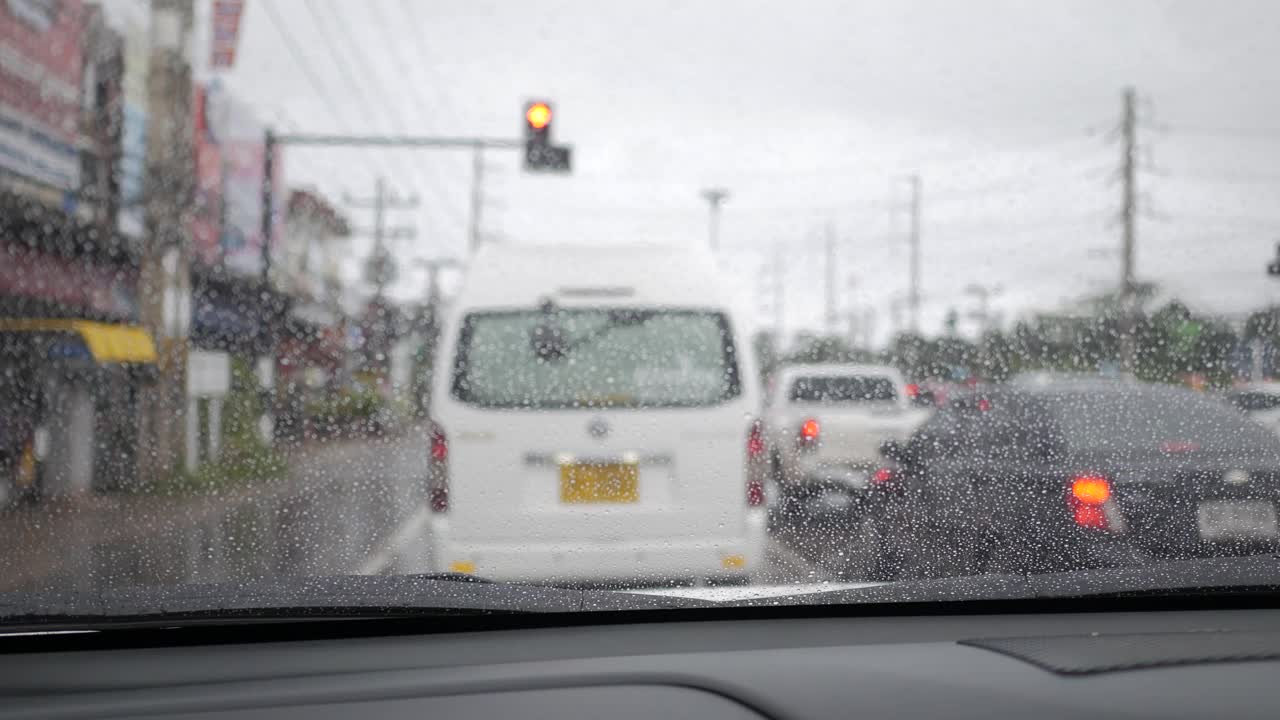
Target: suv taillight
438, 471
809, 433
757, 464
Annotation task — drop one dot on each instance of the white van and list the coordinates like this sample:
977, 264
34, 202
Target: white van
594, 419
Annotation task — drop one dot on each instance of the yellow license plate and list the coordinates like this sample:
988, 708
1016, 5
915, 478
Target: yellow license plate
599, 483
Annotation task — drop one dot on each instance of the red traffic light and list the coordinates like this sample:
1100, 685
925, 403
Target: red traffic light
538, 115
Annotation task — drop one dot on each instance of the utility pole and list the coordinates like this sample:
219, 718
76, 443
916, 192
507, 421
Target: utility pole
779, 291
913, 293
1128, 219
868, 326
715, 197
164, 281
851, 312
268, 201
381, 270
431, 313
983, 294
477, 197
832, 314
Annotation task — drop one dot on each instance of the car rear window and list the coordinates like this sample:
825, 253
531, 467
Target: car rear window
999, 428
1154, 419
595, 357
1253, 401
843, 389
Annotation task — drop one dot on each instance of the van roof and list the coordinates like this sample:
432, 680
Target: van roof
511, 275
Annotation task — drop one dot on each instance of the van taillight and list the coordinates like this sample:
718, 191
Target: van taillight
438, 471
439, 445
755, 440
757, 464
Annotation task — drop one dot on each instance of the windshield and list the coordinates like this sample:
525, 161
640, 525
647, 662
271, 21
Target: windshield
847, 390
605, 358
697, 300
1254, 401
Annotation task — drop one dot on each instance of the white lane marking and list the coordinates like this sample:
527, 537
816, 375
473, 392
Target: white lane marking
755, 592
409, 530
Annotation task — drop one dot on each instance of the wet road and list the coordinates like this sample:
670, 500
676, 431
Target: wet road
346, 507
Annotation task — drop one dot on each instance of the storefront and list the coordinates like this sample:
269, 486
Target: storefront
69, 395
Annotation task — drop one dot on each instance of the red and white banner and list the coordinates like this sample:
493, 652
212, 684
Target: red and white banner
41, 61
74, 283
226, 31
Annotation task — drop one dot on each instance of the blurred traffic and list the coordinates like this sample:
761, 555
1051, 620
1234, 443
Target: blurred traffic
227, 354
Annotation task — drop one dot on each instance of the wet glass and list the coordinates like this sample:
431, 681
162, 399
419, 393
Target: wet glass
712, 300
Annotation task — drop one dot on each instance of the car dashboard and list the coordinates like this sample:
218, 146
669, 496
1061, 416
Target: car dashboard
1169, 664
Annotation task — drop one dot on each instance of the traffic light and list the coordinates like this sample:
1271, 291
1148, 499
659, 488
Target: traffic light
537, 119
539, 154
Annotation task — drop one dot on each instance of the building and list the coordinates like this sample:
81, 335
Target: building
72, 353
312, 359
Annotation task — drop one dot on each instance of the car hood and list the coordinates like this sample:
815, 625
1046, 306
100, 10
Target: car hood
385, 596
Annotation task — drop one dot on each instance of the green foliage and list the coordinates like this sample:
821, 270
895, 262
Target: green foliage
345, 407
1171, 344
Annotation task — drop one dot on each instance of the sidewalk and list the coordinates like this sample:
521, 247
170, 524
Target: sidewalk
53, 544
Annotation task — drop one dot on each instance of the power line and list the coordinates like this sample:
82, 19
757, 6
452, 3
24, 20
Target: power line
1231, 178
344, 67
309, 72
420, 45
436, 189
1225, 133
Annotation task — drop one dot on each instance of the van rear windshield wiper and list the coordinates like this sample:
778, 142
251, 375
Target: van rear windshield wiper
616, 319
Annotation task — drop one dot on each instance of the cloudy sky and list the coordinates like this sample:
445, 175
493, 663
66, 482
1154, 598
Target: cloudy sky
810, 114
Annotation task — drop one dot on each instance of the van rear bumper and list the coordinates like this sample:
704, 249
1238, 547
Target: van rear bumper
648, 561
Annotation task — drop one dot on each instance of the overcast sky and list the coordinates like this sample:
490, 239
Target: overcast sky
811, 113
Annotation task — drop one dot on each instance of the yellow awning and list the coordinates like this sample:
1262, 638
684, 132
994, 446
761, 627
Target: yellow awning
107, 342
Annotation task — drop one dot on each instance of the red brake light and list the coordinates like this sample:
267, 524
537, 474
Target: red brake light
809, 430
1091, 490
881, 476
438, 472
756, 448
1088, 501
1091, 516
755, 440
439, 445
984, 405
912, 390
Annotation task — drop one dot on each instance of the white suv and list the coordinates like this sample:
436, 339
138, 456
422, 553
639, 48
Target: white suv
825, 426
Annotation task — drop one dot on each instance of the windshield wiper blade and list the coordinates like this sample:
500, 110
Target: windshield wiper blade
305, 598
1246, 574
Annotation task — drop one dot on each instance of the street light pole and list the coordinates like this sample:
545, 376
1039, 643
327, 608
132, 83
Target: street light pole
715, 197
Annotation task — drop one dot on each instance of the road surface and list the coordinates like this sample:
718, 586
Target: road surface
346, 507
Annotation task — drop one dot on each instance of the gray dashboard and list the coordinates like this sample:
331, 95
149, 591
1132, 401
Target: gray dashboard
878, 667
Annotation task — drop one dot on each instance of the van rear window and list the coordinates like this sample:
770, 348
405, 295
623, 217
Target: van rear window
595, 358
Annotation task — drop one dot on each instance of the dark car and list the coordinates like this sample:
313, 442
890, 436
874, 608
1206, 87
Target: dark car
1078, 474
